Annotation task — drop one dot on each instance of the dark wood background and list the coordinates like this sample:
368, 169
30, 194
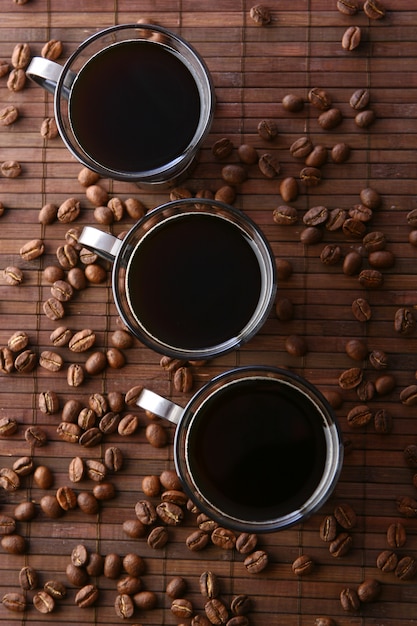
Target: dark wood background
252, 68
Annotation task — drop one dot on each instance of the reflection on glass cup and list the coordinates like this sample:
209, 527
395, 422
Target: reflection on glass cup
132, 103
193, 278
258, 449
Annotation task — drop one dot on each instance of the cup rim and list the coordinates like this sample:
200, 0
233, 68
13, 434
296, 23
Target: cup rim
254, 324
163, 173
331, 472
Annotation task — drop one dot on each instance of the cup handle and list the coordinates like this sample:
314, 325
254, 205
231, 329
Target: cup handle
105, 245
46, 73
151, 401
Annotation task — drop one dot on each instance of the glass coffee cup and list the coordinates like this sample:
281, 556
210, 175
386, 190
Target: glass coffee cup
193, 279
132, 103
258, 449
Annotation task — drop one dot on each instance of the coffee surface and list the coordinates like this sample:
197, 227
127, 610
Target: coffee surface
194, 281
134, 106
255, 450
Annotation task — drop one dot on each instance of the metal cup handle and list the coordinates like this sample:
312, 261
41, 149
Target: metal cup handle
151, 401
46, 73
105, 245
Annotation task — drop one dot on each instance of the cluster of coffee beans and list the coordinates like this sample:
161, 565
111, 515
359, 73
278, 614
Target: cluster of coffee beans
216, 610
335, 529
390, 560
44, 598
373, 9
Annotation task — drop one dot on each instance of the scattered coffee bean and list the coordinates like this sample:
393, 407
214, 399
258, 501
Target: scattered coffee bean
374, 9
216, 611
197, 540
288, 189
13, 543
13, 275
361, 310
351, 38
330, 118
406, 568
328, 529
256, 562
349, 599
340, 152
176, 587
13, 601
267, 129
51, 361
285, 215
293, 103
269, 165
319, 98
310, 176
364, 119
247, 154
260, 14
303, 565
28, 578
158, 538
396, 535
348, 7
301, 147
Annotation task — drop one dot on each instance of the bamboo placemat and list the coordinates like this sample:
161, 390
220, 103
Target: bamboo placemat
253, 68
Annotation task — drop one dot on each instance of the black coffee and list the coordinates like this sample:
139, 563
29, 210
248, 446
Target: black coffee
194, 281
256, 451
134, 106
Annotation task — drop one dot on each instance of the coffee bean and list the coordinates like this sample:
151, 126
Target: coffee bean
269, 165
328, 529
32, 249
115, 358
56, 589
113, 459
396, 535
381, 259
128, 425
256, 562
170, 513
13, 275
91, 437
182, 608
69, 210
330, 118
406, 568
7, 363
349, 599
53, 309
23, 466
383, 422
404, 321
60, 336
316, 216
370, 279
43, 477
384, 384
197, 540
121, 339
240, 604
51, 273
234, 174
209, 584
407, 506
13, 543
13, 601
158, 538
156, 435
145, 600
310, 176
51, 361
408, 395
351, 378
288, 189
68, 431
246, 543
82, 340
319, 98
353, 228
129, 584
284, 309
18, 341
67, 256
373, 241
303, 565
8, 426
13, 169
361, 213
96, 363
62, 291
348, 7
361, 310
76, 469
28, 578
7, 524
374, 9
345, 516
296, 345
301, 147
311, 235
216, 611
364, 119
317, 157
223, 538
267, 129
331, 254
260, 15
109, 423
86, 596
359, 416
351, 38
86, 418
387, 561
87, 502
25, 511
51, 507
145, 512
293, 103
9, 479
77, 576
341, 545
285, 215
176, 587
340, 152
75, 375
133, 564
36, 436
134, 528
79, 555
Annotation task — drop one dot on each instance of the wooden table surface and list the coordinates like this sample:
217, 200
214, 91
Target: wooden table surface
253, 68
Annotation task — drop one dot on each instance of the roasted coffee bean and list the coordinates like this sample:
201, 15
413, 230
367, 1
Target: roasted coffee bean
374, 9
9, 479
113, 459
209, 585
170, 480
7, 524
351, 378
311, 235
128, 425
13, 169
246, 543
86, 596
133, 564
7, 363
330, 119
364, 119
62, 291
69, 210
353, 228
349, 599
49, 128
129, 584
98, 403
13, 275
96, 470
176, 587
406, 568
341, 545
331, 254
359, 416
317, 157
18, 341
288, 189
206, 524
13, 543
8, 115
56, 589
76, 278
267, 129
112, 565
8, 426
75, 375
240, 604
197, 540
345, 516
234, 174
328, 529
303, 565
348, 7
356, 349
373, 241
115, 358
293, 103
256, 562
404, 321
361, 310
310, 176
384, 384
316, 216
351, 38
97, 195
36, 436
60, 336
76, 469
216, 611
319, 98
145, 600
109, 422
53, 309
175, 497
370, 198
170, 513
381, 259
43, 477
408, 395
28, 578
383, 422
104, 491
247, 154
359, 100
284, 309
158, 538
23, 466
87, 502
68, 431
51, 361
396, 535
340, 152
13, 601
387, 561
32, 249
43, 602
407, 506
260, 15
269, 165
133, 394
223, 538
410, 455
116, 401
79, 555
145, 512
134, 528
67, 256
156, 435
77, 576
370, 279
296, 345
360, 212
95, 273
182, 608
285, 215
51, 273
91, 437
123, 606
51, 507
96, 363
301, 147
82, 340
